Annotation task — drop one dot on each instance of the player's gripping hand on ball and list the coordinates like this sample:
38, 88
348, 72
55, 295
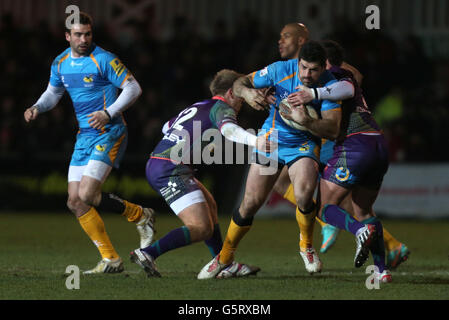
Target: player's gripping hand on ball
299, 114
98, 119
31, 114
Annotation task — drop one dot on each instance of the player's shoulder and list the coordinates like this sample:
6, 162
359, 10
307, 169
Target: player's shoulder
290, 65
62, 56
103, 55
218, 105
283, 68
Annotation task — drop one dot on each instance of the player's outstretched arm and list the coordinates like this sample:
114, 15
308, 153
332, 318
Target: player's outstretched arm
233, 132
47, 101
244, 88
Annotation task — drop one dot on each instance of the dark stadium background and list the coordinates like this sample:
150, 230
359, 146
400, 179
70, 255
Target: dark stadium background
174, 47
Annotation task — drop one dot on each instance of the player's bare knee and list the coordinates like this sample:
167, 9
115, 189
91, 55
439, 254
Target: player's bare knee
75, 205
87, 197
304, 201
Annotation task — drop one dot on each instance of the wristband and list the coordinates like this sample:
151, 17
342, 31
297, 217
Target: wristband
315, 93
107, 113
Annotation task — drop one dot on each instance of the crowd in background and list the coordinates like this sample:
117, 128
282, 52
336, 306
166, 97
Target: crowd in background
407, 91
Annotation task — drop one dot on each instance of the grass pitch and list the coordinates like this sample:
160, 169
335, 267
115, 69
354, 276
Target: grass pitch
36, 248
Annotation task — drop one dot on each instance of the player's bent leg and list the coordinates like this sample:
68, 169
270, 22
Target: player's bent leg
215, 242
303, 174
94, 175
363, 199
330, 232
193, 210
92, 224
74, 203
198, 220
282, 185
331, 195
257, 188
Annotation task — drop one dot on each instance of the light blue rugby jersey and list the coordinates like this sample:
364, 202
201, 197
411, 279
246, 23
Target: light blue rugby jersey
92, 82
284, 77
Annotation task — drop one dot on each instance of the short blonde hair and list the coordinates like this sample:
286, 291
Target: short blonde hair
223, 81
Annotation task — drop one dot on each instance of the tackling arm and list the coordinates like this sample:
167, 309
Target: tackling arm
237, 134
244, 88
340, 90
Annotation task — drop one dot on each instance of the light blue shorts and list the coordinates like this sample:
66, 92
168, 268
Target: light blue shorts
289, 152
108, 147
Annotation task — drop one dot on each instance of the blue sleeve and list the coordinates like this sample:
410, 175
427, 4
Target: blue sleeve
265, 77
55, 79
113, 69
330, 105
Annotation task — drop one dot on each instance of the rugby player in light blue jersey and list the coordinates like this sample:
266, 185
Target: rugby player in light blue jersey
356, 167
93, 76
297, 149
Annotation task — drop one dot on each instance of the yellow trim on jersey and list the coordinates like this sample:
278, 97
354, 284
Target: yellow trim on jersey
252, 75
96, 63
62, 59
287, 77
127, 76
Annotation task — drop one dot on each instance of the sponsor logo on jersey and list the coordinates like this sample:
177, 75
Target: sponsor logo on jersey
172, 186
89, 78
263, 72
118, 66
101, 147
73, 63
304, 147
342, 174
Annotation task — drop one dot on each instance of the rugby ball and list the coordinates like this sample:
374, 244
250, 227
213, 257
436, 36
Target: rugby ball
285, 106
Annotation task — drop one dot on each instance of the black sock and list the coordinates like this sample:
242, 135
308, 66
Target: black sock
111, 203
240, 221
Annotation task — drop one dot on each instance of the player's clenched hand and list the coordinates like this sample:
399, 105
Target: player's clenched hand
255, 98
305, 95
265, 145
30, 114
98, 119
